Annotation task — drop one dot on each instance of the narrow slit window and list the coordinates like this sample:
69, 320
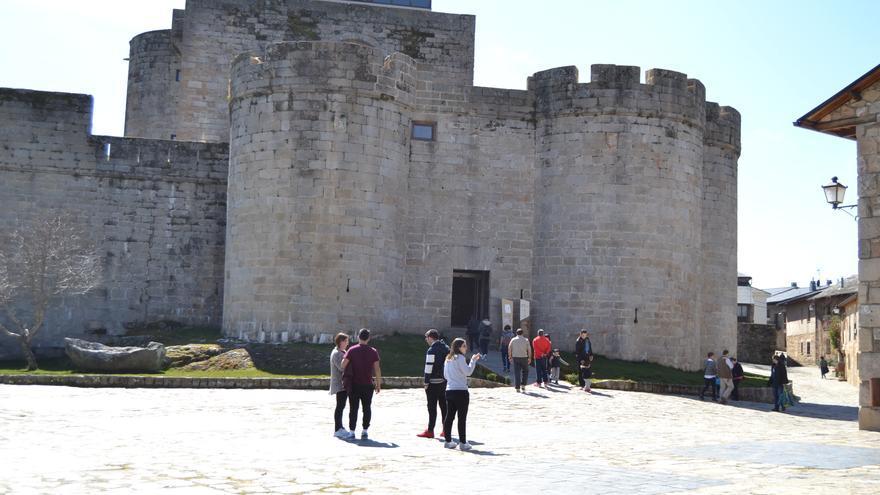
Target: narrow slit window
423, 131
107, 147
177, 75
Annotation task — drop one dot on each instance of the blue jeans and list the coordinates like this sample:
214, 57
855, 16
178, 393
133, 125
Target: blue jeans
541, 370
505, 360
777, 397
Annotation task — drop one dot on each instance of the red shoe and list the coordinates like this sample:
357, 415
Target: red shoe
426, 434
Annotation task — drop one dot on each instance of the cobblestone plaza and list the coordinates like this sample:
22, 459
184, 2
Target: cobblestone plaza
65, 440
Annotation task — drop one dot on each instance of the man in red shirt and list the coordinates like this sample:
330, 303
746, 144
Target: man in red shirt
361, 363
542, 347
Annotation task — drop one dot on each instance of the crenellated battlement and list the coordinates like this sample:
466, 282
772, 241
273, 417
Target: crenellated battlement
723, 126
617, 89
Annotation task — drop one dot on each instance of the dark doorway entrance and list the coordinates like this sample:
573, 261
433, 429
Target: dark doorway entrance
470, 296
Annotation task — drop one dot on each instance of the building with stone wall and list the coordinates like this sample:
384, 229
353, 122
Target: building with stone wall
854, 113
336, 164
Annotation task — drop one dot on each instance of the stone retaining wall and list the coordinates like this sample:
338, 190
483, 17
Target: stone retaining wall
750, 394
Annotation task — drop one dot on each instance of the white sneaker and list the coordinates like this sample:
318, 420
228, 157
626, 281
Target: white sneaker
350, 435
364, 435
465, 446
450, 445
341, 433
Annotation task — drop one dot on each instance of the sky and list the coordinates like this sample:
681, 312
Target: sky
772, 61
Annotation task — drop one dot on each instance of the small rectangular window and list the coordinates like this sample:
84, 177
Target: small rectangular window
423, 131
808, 348
173, 137
177, 75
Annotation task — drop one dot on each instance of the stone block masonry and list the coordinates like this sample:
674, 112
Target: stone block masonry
609, 203
156, 208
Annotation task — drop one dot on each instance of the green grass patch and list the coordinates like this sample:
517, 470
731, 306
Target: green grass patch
616, 369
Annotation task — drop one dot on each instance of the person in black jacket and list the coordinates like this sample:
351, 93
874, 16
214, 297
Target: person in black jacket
435, 383
738, 376
583, 352
473, 333
778, 379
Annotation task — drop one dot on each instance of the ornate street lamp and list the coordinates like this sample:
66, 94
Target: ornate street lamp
834, 193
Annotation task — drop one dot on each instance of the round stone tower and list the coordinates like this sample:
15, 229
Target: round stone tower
153, 70
619, 200
317, 185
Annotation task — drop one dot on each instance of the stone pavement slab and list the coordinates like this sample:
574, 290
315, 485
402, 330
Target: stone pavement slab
69, 440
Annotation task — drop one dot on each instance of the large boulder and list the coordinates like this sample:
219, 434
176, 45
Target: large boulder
177, 356
236, 359
92, 356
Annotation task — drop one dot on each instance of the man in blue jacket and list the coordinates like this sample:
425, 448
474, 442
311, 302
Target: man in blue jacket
435, 383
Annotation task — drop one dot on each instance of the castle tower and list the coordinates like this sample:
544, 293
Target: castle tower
721, 148
317, 190
153, 82
618, 216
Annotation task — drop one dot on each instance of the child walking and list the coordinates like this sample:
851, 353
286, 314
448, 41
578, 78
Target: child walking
556, 363
586, 374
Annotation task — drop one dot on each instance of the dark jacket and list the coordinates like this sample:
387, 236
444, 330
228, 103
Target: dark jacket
473, 327
485, 331
434, 359
737, 372
779, 374
583, 349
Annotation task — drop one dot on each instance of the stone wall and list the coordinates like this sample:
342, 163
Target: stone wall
214, 33
156, 208
755, 343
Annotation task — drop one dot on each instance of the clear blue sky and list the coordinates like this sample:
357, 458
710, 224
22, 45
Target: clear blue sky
773, 61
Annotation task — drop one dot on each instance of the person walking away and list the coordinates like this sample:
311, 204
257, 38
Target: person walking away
556, 363
435, 383
778, 379
456, 370
542, 350
725, 376
738, 377
337, 388
506, 337
364, 363
473, 332
520, 353
823, 366
583, 352
710, 371
485, 336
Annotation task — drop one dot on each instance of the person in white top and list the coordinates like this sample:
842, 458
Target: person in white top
456, 370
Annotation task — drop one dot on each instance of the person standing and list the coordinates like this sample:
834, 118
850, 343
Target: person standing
363, 361
456, 370
710, 371
473, 332
556, 363
506, 337
738, 377
542, 347
336, 386
823, 366
435, 383
778, 379
520, 353
485, 336
583, 352
725, 375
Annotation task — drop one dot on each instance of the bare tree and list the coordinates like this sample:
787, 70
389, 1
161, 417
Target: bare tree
40, 262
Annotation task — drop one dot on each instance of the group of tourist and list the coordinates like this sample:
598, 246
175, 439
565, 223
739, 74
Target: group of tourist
355, 375
723, 377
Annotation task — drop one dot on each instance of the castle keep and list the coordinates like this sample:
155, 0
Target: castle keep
293, 168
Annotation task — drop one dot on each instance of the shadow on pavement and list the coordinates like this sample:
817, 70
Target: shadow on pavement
600, 394
833, 412
373, 444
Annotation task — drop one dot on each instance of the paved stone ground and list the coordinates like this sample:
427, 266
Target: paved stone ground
65, 440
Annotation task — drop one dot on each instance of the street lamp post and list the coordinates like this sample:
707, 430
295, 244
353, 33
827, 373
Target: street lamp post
834, 193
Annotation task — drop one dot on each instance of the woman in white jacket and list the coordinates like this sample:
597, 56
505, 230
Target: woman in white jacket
456, 370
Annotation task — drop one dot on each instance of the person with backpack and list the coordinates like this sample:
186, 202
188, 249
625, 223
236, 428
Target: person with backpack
485, 336
435, 383
506, 337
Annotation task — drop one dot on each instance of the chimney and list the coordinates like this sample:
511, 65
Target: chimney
812, 285
841, 282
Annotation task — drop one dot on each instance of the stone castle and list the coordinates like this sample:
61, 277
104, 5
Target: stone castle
293, 168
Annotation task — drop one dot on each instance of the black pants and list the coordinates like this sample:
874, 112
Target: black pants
709, 383
484, 346
581, 380
520, 372
436, 393
473, 342
341, 397
456, 404
360, 394
735, 394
